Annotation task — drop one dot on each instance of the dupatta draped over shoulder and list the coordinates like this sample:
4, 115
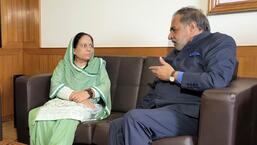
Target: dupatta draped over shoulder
67, 74
56, 121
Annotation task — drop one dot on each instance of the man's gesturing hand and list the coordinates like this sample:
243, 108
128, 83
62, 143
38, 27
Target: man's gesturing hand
163, 71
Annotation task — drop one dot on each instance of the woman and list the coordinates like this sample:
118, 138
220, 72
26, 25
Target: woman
80, 91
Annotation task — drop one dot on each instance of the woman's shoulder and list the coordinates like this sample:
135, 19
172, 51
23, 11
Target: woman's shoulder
99, 60
60, 63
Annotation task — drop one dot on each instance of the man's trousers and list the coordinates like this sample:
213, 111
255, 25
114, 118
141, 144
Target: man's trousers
142, 126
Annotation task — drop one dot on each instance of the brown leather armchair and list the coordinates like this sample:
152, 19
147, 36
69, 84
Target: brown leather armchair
228, 116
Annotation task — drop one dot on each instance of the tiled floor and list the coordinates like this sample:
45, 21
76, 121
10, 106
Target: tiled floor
9, 134
9, 142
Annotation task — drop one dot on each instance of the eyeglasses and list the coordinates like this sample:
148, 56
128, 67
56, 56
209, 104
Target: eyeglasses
86, 46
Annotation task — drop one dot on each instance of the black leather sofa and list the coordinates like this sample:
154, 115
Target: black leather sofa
227, 116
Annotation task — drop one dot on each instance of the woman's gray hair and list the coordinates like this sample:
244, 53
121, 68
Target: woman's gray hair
190, 14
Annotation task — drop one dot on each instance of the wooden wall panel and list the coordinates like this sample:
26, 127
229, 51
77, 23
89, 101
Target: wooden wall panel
132, 51
247, 57
44, 60
40, 63
31, 24
11, 23
20, 23
11, 63
47, 58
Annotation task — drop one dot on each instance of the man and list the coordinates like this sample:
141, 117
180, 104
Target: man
200, 60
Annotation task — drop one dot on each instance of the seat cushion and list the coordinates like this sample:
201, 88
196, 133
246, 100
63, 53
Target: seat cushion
180, 140
87, 130
84, 133
101, 133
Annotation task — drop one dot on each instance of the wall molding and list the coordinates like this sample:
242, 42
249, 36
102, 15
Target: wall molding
101, 51
48, 57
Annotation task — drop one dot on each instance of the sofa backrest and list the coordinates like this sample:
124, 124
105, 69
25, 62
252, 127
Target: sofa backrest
147, 77
125, 75
131, 79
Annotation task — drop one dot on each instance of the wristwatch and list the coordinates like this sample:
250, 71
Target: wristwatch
90, 92
172, 78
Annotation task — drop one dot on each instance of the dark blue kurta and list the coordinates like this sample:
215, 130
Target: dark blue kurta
207, 62
172, 109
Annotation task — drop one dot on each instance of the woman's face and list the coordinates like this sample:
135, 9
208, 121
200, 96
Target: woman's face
84, 48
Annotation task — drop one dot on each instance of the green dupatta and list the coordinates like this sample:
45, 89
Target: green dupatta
93, 76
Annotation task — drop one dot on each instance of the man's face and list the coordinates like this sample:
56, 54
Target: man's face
180, 33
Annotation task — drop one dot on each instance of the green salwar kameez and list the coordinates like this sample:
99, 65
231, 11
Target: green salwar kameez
47, 125
52, 132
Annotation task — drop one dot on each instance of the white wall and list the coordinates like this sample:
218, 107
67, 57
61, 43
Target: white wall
111, 22
241, 26
130, 23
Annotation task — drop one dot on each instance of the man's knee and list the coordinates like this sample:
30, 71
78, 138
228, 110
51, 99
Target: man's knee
116, 124
134, 115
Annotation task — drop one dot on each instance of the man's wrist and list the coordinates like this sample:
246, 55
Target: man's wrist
172, 76
175, 75
179, 76
172, 73
90, 92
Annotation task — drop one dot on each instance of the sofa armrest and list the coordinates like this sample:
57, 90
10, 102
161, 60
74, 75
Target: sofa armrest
30, 92
227, 114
